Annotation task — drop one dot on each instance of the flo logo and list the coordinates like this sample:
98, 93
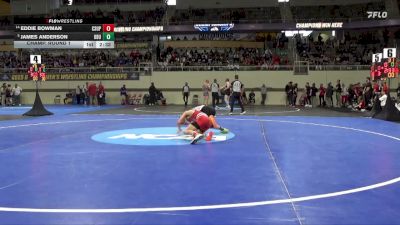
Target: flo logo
154, 136
377, 14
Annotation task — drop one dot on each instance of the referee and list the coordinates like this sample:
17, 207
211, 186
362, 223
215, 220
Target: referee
237, 89
215, 93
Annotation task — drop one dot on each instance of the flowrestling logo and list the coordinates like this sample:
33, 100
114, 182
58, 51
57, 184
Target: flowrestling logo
154, 136
377, 14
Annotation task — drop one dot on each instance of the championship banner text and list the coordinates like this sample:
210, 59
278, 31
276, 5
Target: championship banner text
80, 76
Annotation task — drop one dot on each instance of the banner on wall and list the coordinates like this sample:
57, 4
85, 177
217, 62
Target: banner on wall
76, 76
214, 27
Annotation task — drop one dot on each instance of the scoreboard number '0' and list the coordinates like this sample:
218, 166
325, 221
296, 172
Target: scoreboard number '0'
36, 59
389, 53
108, 27
109, 36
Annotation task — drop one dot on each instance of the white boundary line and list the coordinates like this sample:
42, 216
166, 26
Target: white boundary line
204, 207
207, 207
278, 171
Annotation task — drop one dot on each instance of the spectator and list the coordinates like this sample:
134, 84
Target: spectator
307, 102
17, 90
289, 93
124, 95
314, 91
263, 91
338, 90
78, 94
68, 97
294, 95
160, 98
377, 88
322, 95
87, 96
92, 93
152, 93
368, 92
344, 95
186, 93
84, 95
101, 95
3, 94
351, 94
329, 94
227, 92
244, 96
206, 92
9, 95
252, 97
383, 99
361, 105
385, 87
303, 98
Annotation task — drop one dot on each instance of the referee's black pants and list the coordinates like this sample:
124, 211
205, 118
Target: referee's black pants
215, 97
236, 96
186, 97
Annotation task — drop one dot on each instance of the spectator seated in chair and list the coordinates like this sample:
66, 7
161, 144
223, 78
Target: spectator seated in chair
68, 98
146, 99
252, 97
160, 98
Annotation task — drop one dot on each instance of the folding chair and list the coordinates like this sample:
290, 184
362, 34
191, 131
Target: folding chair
138, 99
57, 99
132, 98
195, 100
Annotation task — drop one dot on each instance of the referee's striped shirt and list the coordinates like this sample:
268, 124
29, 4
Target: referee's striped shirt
237, 86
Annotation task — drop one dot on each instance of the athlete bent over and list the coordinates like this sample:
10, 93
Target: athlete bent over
211, 113
199, 123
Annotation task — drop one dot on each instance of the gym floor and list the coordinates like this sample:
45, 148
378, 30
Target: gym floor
126, 165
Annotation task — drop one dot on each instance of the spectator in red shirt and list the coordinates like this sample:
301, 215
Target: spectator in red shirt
276, 61
362, 104
321, 95
376, 88
385, 87
92, 93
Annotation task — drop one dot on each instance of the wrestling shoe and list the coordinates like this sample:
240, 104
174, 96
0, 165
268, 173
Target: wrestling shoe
224, 131
196, 138
209, 136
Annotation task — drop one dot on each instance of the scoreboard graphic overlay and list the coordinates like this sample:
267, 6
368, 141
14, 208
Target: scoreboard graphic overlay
384, 65
64, 33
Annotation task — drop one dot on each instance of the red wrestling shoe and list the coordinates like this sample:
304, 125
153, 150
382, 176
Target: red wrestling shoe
209, 136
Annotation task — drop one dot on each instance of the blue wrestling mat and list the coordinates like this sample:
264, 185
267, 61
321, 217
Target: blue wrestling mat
135, 169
